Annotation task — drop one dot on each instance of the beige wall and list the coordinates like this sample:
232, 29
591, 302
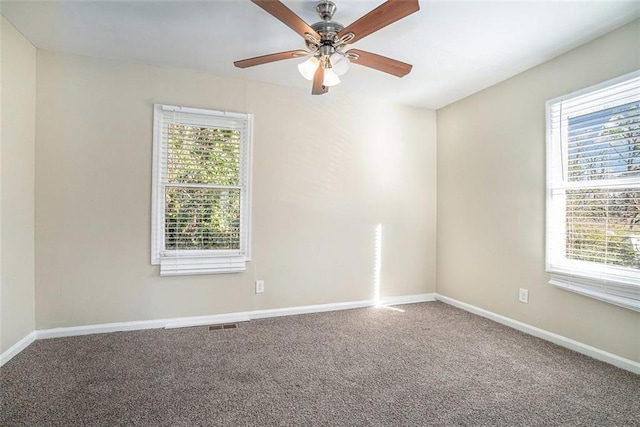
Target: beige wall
326, 171
17, 140
491, 198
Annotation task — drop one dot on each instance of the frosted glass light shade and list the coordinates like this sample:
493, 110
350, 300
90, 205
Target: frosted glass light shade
308, 67
330, 78
339, 63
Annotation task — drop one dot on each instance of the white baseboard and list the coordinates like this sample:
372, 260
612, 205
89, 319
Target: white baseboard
560, 340
408, 299
243, 316
214, 319
289, 311
307, 309
99, 329
17, 348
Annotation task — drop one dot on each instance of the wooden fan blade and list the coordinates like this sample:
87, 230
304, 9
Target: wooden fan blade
381, 63
258, 60
385, 14
318, 88
284, 14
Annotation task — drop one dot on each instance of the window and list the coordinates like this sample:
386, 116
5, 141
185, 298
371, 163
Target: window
200, 196
593, 191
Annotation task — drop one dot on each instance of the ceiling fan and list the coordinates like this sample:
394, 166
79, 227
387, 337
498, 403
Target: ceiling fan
327, 40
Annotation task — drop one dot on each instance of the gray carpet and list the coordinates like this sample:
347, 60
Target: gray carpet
430, 364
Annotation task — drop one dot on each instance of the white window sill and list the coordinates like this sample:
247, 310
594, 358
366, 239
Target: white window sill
192, 265
622, 295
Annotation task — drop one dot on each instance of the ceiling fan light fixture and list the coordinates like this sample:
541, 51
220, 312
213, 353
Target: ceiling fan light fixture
339, 63
309, 67
330, 78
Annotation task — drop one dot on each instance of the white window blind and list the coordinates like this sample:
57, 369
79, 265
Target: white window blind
593, 191
200, 214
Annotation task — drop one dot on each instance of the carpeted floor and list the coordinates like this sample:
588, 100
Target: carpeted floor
429, 364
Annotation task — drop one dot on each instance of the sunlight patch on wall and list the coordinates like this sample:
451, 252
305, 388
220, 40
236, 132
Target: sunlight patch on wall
377, 268
377, 264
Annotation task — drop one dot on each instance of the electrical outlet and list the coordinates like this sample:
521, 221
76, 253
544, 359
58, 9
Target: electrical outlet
523, 296
259, 286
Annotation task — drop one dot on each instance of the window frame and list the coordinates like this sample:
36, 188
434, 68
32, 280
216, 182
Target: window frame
209, 261
615, 285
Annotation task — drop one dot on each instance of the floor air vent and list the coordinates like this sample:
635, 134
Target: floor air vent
223, 326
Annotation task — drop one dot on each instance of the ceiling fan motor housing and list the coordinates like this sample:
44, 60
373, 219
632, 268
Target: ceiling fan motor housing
327, 29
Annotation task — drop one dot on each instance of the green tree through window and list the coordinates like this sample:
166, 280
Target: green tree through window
202, 209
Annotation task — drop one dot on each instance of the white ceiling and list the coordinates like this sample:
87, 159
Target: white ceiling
456, 47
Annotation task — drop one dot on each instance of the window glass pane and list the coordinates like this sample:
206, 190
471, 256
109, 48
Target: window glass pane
202, 218
603, 226
605, 144
203, 155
